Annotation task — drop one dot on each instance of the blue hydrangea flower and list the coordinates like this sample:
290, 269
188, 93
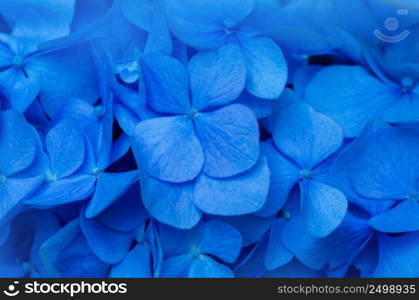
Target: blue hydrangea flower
303, 140
210, 25
192, 253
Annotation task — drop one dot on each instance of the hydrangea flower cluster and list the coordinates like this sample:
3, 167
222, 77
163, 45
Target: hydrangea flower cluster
227, 138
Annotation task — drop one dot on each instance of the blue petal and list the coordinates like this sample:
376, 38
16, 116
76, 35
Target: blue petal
109, 245
76, 259
402, 218
294, 269
17, 143
398, 256
221, 240
170, 203
277, 254
349, 95
109, 187
51, 249
175, 241
176, 266
136, 264
168, 149
125, 214
159, 39
341, 247
25, 92
217, 78
167, 84
63, 191
405, 108
39, 19
386, 166
66, 74
306, 136
230, 139
13, 190
202, 24
206, 267
238, 195
65, 146
323, 207
267, 69
251, 227
284, 176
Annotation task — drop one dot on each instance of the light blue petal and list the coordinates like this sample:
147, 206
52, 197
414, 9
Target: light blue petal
66, 74
205, 24
386, 165
349, 95
397, 256
17, 143
217, 78
167, 84
284, 176
168, 149
136, 264
266, 67
109, 187
221, 240
176, 266
206, 267
323, 207
230, 139
238, 195
277, 254
63, 191
65, 146
402, 218
39, 19
306, 136
170, 203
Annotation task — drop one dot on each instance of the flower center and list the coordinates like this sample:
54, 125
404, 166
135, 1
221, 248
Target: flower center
407, 83
305, 173
18, 61
195, 252
99, 110
286, 215
51, 178
229, 26
192, 113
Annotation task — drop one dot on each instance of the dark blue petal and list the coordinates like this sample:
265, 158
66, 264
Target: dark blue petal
277, 254
109, 245
109, 187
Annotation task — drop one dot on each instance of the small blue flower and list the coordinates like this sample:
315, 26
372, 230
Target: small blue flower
192, 253
211, 25
303, 140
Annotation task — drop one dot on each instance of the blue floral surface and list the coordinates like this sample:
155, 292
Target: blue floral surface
209, 138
